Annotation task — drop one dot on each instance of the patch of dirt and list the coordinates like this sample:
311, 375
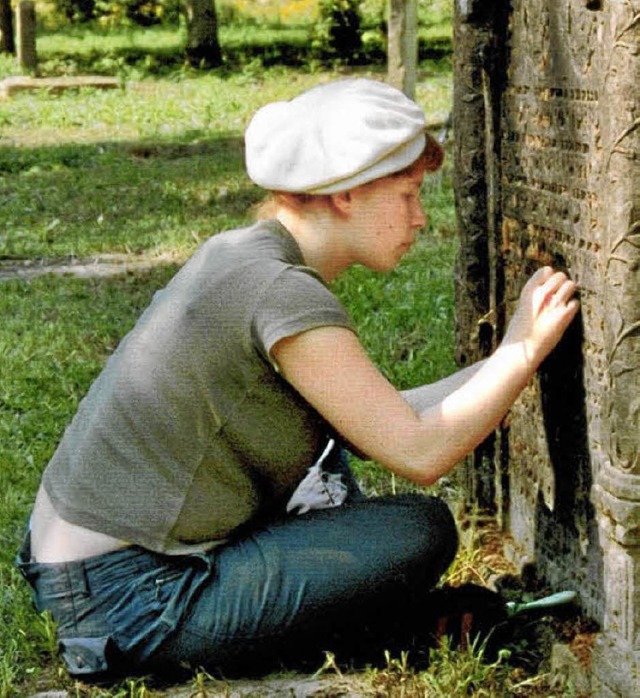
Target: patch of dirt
291, 687
98, 266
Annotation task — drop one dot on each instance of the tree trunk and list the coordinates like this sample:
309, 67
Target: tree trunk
203, 48
7, 43
402, 51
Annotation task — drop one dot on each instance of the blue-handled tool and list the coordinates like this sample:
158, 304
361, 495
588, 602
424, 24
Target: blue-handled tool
552, 601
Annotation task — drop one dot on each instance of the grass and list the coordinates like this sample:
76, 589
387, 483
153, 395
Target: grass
83, 173
451, 673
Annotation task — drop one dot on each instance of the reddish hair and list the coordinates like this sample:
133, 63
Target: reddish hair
431, 158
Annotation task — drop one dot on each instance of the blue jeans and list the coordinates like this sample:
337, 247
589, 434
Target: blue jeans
331, 579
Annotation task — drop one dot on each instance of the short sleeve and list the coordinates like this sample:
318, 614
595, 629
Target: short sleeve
296, 301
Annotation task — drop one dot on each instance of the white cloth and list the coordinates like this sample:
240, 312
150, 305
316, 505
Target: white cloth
319, 489
334, 137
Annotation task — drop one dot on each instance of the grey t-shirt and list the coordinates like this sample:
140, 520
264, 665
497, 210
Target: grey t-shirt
189, 431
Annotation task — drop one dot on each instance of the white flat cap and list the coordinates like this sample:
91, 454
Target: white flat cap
334, 137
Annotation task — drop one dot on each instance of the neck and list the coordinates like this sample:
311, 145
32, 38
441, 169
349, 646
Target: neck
320, 237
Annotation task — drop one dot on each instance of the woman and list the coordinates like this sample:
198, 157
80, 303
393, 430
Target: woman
180, 519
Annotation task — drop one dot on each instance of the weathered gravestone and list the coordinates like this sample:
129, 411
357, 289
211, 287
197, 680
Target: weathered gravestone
547, 127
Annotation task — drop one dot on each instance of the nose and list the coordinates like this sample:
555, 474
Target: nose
419, 218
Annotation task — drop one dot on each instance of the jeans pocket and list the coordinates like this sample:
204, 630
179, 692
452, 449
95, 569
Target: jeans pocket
89, 655
143, 615
69, 605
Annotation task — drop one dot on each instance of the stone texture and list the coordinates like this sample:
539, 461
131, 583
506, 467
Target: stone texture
568, 672
547, 124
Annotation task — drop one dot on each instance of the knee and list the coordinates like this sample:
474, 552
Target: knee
434, 527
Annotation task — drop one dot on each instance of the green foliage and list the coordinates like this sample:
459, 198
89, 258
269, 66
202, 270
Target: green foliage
338, 31
77, 11
275, 13
134, 38
143, 13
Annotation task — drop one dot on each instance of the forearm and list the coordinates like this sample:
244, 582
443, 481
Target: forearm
425, 396
452, 428
449, 430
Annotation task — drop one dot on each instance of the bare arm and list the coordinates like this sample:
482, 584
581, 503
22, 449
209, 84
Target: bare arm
431, 394
330, 369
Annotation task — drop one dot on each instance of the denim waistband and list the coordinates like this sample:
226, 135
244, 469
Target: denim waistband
76, 574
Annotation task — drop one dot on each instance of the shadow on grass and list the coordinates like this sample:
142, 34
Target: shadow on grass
226, 148
81, 199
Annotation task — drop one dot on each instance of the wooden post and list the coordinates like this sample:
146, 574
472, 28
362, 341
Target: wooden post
7, 44
26, 33
402, 52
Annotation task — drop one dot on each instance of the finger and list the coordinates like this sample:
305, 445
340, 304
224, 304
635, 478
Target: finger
555, 281
568, 312
565, 293
544, 295
542, 275
561, 294
573, 306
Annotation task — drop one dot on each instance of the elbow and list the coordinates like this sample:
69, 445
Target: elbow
430, 471
423, 466
427, 479
424, 474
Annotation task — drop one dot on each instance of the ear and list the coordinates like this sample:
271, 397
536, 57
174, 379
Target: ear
342, 202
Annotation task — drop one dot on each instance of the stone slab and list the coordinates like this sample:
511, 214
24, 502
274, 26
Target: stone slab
17, 84
569, 671
547, 172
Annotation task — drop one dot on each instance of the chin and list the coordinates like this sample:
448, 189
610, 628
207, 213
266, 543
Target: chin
383, 268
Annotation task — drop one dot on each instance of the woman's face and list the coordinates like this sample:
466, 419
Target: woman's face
386, 215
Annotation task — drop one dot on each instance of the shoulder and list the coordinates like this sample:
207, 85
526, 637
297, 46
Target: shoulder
236, 263
262, 241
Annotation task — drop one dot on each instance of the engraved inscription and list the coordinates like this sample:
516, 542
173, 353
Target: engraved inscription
550, 177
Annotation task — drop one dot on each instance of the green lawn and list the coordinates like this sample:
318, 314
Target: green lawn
155, 166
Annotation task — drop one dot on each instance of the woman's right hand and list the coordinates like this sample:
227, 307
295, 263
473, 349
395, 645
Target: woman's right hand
545, 310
